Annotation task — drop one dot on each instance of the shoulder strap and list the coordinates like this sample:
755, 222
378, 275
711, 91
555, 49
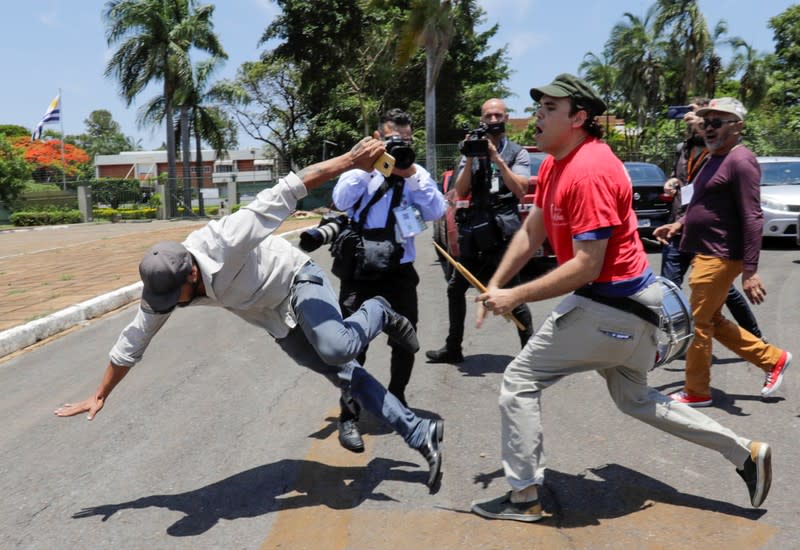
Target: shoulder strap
381, 191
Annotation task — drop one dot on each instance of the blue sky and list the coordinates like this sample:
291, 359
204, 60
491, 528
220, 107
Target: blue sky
50, 44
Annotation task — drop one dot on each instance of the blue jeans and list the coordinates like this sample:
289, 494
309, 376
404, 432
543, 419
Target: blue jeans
328, 344
674, 265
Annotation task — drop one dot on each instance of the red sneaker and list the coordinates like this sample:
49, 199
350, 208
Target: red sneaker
775, 376
691, 400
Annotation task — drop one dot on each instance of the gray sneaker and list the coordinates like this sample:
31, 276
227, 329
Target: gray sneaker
503, 508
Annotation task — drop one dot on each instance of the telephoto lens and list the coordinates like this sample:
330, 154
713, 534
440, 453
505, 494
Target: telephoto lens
329, 226
311, 239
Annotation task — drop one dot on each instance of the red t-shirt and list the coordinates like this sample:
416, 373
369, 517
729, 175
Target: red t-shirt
588, 190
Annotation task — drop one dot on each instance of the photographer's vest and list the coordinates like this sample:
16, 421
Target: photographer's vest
503, 197
509, 155
484, 231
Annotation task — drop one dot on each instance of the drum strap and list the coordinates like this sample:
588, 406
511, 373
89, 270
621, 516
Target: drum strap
624, 304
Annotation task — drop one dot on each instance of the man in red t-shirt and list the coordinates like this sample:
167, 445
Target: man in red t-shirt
608, 320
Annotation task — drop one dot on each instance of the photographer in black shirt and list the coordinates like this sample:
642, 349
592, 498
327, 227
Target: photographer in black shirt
494, 173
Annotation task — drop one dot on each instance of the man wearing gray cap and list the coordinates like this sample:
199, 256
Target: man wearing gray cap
238, 263
607, 322
722, 228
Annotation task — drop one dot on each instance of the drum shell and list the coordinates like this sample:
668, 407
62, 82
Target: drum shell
677, 325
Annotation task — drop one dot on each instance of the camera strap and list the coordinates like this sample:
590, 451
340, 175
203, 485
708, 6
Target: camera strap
379, 193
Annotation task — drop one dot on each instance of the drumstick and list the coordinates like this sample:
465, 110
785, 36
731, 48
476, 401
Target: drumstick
474, 282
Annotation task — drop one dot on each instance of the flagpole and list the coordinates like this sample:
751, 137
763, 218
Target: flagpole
63, 159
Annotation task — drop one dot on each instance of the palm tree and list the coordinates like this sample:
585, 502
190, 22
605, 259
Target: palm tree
155, 37
599, 71
430, 26
198, 117
753, 82
638, 54
689, 40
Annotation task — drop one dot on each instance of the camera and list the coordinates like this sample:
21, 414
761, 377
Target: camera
676, 112
475, 144
402, 152
329, 226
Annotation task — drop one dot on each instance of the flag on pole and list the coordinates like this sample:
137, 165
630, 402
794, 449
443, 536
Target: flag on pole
53, 114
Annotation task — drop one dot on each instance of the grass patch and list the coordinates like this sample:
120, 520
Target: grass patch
67, 277
15, 291
40, 316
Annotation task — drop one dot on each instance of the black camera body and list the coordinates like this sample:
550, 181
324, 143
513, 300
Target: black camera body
329, 226
402, 152
475, 144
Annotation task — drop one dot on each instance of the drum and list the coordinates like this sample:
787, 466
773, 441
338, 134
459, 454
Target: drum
677, 325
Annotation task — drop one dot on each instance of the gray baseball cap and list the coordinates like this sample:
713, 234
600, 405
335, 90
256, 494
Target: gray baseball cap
164, 270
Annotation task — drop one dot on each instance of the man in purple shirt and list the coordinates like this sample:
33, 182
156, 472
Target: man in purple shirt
722, 228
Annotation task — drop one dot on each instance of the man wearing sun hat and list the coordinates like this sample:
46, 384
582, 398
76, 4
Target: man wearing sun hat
607, 320
722, 228
238, 263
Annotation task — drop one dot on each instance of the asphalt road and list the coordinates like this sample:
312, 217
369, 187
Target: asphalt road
217, 440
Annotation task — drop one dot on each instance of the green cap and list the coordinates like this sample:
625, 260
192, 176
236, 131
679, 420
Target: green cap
567, 85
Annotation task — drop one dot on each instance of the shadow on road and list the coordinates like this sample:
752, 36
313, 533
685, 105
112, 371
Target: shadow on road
613, 491
283, 485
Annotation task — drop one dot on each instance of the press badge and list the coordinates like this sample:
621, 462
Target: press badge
495, 187
409, 221
686, 194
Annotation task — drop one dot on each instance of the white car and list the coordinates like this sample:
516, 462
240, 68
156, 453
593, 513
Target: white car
780, 195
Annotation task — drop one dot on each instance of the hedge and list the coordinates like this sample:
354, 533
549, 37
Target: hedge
124, 213
47, 217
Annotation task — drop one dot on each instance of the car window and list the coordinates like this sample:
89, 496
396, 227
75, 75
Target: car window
644, 172
536, 161
780, 173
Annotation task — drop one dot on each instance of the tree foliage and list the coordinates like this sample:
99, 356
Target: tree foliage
46, 162
327, 79
154, 38
103, 135
14, 171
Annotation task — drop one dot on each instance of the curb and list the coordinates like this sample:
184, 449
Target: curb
16, 338
22, 336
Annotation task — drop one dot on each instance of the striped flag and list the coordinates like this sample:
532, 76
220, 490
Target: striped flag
53, 114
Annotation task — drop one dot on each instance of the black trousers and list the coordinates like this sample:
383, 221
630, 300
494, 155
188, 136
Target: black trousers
457, 302
400, 289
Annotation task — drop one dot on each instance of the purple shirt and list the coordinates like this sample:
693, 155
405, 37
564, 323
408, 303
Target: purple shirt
724, 217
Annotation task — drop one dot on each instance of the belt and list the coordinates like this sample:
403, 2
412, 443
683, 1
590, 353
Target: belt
624, 304
301, 277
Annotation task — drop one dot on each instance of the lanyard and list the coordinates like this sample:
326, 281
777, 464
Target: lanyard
695, 163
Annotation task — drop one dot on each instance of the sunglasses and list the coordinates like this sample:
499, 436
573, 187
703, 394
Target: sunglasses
715, 123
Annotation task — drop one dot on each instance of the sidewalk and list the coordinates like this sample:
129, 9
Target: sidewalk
52, 278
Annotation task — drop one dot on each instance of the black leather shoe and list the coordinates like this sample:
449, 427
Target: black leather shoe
398, 328
444, 355
433, 454
349, 436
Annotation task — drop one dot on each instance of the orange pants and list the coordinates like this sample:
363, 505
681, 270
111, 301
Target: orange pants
710, 280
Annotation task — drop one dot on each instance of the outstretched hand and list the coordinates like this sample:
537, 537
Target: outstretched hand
366, 152
664, 233
92, 405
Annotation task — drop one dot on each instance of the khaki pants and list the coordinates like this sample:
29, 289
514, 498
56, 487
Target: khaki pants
582, 335
710, 280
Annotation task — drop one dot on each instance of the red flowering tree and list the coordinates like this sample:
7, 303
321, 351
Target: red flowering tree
44, 158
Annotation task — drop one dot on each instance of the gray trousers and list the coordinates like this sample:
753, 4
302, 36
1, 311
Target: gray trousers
329, 344
582, 335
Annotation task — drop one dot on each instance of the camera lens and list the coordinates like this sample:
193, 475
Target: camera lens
401, 151
311, 239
